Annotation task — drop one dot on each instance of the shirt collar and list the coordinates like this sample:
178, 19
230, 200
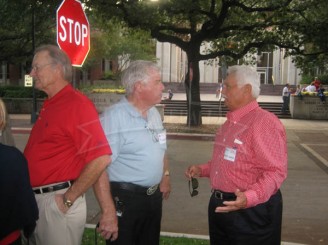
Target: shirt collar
129, 107
60, 94
236, 115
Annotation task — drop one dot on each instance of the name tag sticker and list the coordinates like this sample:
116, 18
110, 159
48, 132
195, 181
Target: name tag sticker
230, 154
162, 138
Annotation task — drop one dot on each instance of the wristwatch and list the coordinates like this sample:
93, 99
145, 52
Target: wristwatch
68, 203
167, 173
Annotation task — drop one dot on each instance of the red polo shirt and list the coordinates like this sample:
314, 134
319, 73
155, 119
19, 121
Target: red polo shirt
66, 136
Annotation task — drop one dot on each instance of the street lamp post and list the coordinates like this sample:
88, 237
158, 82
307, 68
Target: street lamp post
33, 113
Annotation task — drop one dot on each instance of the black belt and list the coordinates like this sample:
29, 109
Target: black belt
224, 195
51, 188
134, 188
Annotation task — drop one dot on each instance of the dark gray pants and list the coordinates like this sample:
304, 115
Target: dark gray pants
258, 225
285, 104
140, 223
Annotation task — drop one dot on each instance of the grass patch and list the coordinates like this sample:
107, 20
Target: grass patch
89, 239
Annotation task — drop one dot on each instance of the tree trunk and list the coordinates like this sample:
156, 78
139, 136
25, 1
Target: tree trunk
194, 117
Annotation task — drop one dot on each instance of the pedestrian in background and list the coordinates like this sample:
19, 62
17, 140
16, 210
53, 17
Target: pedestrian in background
285, 99
299, 91
67, 153
310, 88
170, 94
247, 168
139, 173
316, 83
321, 94
18, 208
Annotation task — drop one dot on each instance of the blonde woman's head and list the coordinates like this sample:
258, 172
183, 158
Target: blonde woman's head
3, 113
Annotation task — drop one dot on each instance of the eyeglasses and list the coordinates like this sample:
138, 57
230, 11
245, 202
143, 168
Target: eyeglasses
153, 133
37, 68
193, 183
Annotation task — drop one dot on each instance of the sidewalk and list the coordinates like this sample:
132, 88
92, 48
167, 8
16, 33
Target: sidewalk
305, 217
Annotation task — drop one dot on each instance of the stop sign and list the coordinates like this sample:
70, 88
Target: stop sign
73, 31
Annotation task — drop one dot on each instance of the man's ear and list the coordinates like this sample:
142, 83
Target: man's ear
248, 89
59, 70
137, 85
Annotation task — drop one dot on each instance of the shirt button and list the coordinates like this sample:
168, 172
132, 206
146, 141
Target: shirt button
224, 140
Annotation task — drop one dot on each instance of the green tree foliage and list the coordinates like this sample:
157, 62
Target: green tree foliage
313, 26
113, 39
232, 27
26, 24
23, 21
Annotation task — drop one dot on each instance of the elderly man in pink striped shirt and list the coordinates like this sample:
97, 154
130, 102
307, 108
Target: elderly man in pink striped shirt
247, 168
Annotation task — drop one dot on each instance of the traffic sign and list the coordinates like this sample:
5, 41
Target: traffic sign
28, 81
73, 31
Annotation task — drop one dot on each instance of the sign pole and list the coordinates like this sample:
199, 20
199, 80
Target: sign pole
34, 106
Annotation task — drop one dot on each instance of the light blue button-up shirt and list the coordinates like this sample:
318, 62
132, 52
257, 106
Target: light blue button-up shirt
138, 144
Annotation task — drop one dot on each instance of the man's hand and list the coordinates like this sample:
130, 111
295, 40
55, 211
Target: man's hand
193, 171
108, 226
165, 187
59, 198
239, 203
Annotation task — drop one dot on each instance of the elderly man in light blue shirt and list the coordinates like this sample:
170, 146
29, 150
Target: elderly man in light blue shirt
139, 173
138, 144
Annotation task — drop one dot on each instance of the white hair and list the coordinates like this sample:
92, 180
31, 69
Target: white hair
246, 75
138, 70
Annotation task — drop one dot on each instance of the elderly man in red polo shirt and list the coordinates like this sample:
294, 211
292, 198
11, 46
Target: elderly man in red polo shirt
247, 168
67, 153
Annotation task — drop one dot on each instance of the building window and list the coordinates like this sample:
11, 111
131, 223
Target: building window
264, 66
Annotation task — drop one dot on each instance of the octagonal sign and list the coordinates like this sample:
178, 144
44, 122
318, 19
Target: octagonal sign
73, 31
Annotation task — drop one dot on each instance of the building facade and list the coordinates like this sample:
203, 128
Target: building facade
272, 67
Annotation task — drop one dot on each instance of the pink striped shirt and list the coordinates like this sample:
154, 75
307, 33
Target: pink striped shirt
250, 154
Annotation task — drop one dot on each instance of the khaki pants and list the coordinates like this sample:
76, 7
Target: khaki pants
56, 228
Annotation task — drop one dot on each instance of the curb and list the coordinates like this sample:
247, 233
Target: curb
190, 136
17, 130
315, 154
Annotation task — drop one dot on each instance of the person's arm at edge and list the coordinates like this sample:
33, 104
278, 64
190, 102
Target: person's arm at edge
87, 178
108, 224
165, 185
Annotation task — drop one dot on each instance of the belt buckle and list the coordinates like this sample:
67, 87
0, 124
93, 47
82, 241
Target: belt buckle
50, 188
151, 190
219, 195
